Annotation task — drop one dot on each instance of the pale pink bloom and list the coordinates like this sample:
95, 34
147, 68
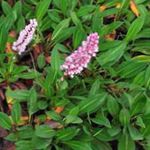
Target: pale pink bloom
80, 58
25, 37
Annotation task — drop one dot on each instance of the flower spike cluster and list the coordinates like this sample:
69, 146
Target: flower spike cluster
80, 58
25, 37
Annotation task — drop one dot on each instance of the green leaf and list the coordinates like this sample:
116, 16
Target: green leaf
97, 21
112, 106
53, 15
25, 132
139, 78
11, 137
102, 120
76, 20
16, 112
21, 95
53, 115
92, 103
130, 68
95, 88
78, 37
55, 59
32, 105
5, 122
9, 21
60, 27
135, 28
114, 130
145, 33
42, 8
103, 135
146, 131
142, 58
64, 35
48, 82
85, 10
64, 85
138, 106
40, 143
18, 8
73, 119
55, 63
45, 24
134, 133
140, 122
67, 134
109, 45
42, 118
64, 5
20, 23
147, 77
28, 75
74, 111
99, 145
125, 4
44, 131
24, 144
6, 7
78, 145
3, 37
108, 29
112, 55
126, 143
124, 117
41, 61
42, 104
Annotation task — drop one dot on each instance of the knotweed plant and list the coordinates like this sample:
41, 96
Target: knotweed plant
25, 37
79, 59
108, 108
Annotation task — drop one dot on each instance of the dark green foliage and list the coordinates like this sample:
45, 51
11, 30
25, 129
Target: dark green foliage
107, 107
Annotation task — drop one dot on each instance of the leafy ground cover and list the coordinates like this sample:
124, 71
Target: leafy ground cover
106, 106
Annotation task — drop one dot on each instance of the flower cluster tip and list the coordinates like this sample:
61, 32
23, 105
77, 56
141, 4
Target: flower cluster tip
25, 37
79, 59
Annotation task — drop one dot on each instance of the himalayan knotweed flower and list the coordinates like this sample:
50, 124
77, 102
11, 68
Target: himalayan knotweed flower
80, 58
25, 37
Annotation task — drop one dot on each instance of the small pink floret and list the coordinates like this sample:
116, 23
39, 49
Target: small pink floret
25, 37
79, 59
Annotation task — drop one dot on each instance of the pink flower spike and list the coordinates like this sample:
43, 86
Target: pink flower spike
25, 37
79, 59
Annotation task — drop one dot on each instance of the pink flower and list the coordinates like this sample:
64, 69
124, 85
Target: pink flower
25, 37
80, 58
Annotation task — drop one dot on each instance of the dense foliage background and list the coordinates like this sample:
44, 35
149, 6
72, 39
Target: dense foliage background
107, 107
